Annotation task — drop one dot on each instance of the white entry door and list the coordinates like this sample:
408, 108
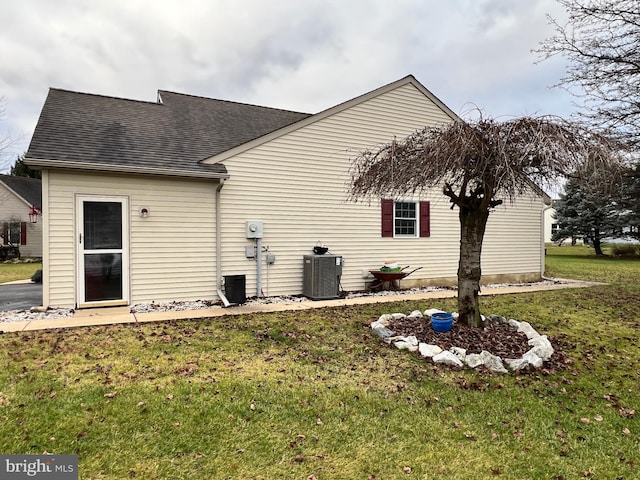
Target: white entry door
103, 251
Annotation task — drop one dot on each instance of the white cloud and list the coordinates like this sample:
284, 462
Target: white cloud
304, 56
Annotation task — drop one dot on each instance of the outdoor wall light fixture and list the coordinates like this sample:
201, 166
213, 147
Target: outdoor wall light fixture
33, 214
144, 212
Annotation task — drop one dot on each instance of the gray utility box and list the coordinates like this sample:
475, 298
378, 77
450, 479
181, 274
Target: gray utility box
321, 276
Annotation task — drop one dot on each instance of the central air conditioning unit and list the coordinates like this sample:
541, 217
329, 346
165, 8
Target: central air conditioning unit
321, 276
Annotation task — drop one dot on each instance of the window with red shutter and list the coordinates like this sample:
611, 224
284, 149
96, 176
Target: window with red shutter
399, 219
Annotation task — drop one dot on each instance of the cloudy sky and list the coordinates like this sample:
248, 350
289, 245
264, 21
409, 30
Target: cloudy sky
302, 55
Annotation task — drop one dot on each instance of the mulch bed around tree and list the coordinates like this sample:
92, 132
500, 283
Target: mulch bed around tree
496, 337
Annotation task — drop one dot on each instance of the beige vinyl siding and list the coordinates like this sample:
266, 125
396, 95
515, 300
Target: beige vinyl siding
13, 208
172, 251
513, 240
296, 184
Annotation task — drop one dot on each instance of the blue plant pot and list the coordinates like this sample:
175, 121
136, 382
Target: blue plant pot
441, 322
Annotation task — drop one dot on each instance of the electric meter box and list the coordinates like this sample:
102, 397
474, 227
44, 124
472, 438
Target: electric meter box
255, 229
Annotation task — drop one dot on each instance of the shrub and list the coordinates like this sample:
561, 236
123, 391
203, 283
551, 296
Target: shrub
625, 250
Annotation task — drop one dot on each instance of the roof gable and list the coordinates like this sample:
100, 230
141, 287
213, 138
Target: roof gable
408, 80
29, 190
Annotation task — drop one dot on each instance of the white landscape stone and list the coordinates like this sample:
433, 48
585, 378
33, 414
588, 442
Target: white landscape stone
461, 353
528, 330
382, 331
532, 359
541, 347
473, 360
447, 358
398, 316
527, 359
427, 350
416, 314
407, 343
492, 362
431, 311
515, 363
497, 318
385, 319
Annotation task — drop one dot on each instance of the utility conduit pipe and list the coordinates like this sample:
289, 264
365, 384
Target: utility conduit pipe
221, 295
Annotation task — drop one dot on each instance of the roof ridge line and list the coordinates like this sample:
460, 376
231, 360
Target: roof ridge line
112, 97
231, 101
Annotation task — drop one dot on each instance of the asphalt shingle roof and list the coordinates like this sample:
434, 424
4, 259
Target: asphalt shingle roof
170, 137
28, 188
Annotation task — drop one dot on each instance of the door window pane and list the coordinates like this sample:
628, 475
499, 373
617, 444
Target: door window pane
102, 225
103, 276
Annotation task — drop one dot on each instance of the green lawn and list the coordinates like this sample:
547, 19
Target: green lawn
581, 263
10, 272
302, 395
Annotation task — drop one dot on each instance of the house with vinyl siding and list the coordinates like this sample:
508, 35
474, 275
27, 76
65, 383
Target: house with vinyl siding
161, 201
20, 223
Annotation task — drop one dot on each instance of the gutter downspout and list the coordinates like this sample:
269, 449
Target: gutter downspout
224, 299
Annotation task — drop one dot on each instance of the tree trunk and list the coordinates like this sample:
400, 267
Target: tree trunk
597, 245
472, 228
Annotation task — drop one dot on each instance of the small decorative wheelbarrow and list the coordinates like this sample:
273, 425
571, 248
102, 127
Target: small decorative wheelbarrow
385, 280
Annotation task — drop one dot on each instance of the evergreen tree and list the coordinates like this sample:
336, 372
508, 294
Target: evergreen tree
20, 169
584, 212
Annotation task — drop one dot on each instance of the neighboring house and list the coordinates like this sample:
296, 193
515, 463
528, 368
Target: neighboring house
550, 224
152, 202
20, 196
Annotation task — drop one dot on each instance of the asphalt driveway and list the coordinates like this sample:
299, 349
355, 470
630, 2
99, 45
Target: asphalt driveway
21, 296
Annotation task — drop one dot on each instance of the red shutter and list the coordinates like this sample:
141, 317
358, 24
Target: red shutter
425, 219
387, 217
23, 233
5, 233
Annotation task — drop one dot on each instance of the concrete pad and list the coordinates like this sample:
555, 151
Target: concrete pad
538, 288
9, 327
102, 312
72, 322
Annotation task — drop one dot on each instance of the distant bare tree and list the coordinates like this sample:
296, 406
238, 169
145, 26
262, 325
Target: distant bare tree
6, 141
478, 164
601, 41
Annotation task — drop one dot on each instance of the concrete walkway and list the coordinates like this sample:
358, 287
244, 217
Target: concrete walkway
117, 315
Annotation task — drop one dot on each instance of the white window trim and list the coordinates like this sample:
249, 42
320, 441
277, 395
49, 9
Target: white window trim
416, 219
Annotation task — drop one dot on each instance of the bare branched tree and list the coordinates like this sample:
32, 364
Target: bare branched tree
601, 41
478, 165
6, 141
